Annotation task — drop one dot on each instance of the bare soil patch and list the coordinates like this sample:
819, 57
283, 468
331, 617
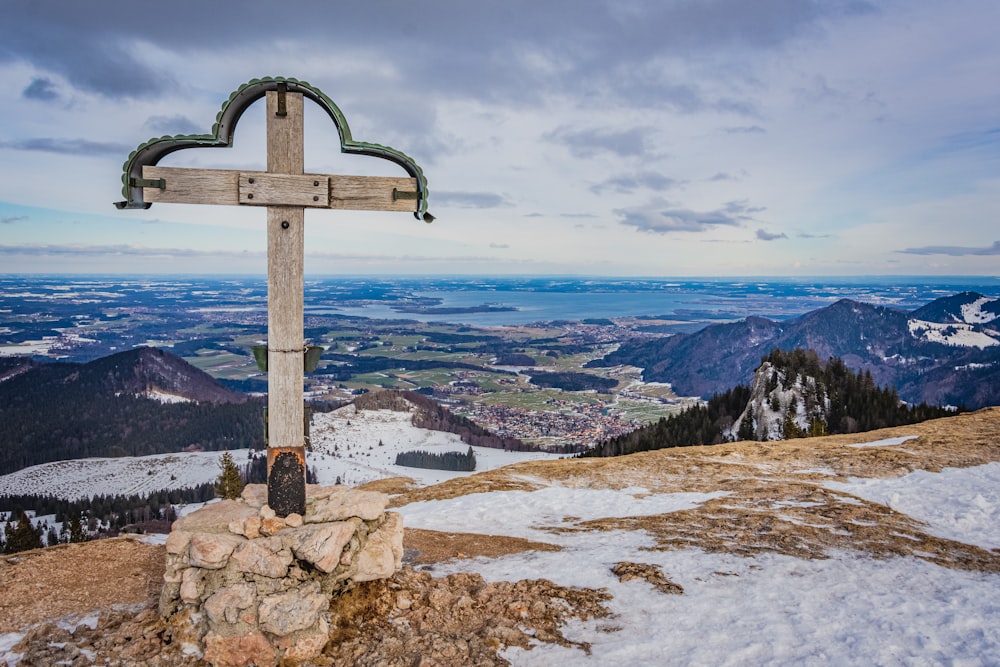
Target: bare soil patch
430, 546
73, 579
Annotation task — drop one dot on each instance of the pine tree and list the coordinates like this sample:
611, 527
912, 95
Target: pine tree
230, 484
76, 532
23, 536
746, 430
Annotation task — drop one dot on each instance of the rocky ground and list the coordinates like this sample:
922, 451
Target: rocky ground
95, 602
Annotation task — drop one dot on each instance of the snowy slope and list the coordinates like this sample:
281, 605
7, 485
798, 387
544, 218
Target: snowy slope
956, 334
846, 609
345, 446
83, 478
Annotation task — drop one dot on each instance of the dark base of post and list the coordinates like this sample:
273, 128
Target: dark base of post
286, 480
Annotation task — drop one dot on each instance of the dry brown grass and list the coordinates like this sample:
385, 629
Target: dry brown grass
75, 578
431, 546
775, 499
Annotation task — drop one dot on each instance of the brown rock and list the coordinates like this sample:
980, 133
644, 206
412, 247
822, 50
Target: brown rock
383, 552
251, 527
233, 604
177, 541
305, 644
211, 551
255, 495
263, 556
271, 525
320, 545
342, 503
213, 517
239, 651
294, 520
298, 609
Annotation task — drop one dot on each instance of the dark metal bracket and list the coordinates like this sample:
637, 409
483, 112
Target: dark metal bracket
282, 91
160, 183
403, 194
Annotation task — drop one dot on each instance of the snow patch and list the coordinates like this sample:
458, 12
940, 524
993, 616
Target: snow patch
888, 442
973, 313
956, 334
961, 504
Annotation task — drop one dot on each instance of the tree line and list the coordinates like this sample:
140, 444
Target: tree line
435, 417
851, 403
456, 461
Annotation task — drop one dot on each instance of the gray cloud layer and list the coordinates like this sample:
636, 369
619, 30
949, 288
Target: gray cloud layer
661, 218
954, 251
67, 146
94, 45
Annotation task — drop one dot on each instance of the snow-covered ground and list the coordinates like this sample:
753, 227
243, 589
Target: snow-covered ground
346, 447
958, 334
126, 475
849, 609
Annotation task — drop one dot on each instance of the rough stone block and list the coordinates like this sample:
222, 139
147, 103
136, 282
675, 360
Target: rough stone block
239, 651
255, 495
383, 552
211, 551
305, 644
320, 544
263, 556
213, 517
298, 609
177, 541
233, 604
190, 590
343, 503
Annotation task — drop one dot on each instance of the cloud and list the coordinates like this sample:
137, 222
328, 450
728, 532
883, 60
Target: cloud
577, 215
41, 89
806, 235
751, 129
660, 217
764, 235
13, 219
516, 52
628, 183
499, 246
173, 125
588, 143
78, 250
954, 251
67, 146
469, 199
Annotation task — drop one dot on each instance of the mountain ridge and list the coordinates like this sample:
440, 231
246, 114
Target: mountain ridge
141, 401
953, 358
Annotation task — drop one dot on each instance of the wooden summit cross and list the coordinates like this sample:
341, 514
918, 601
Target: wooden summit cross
286, 192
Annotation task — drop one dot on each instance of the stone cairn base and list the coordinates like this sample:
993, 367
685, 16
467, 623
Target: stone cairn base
249, 588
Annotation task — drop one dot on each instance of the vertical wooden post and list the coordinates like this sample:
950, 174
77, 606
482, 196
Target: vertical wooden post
286, 483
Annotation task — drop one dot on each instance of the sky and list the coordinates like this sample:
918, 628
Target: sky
621, 138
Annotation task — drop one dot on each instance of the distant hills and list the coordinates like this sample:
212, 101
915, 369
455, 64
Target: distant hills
793, 395
945, 353
143, 401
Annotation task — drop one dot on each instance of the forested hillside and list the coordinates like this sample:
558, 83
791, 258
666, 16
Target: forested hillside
433, 416
806, 396
58, 411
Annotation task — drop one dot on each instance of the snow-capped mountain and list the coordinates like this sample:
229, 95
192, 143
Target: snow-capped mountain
945, 353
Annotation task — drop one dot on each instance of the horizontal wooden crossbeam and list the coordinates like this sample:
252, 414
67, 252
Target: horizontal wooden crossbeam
233, 188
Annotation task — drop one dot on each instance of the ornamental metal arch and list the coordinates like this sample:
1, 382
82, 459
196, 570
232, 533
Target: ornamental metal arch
151, 152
